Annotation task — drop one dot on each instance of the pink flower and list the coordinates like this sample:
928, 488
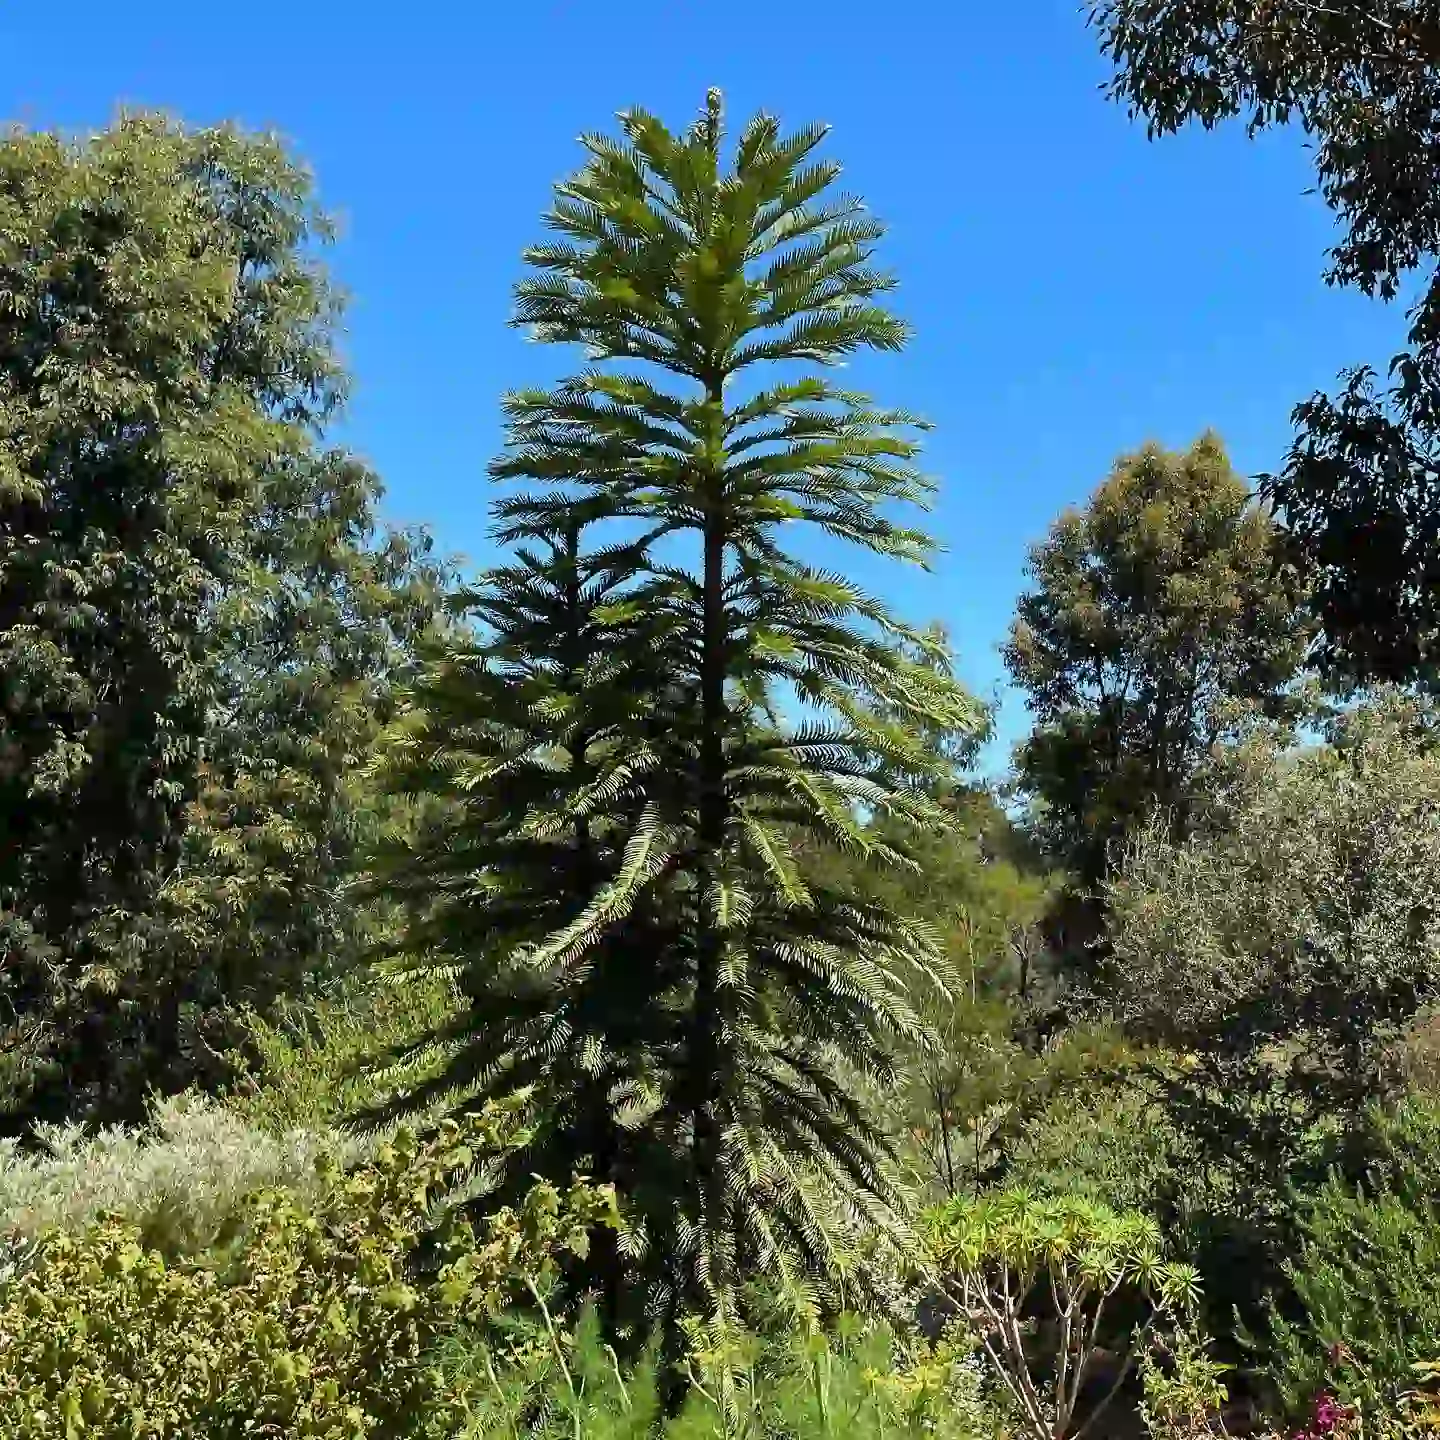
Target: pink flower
1330, 1415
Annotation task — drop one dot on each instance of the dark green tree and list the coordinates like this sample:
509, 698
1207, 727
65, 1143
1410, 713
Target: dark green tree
1361, 78
702, 268
1158, 623
308, 653
523, 747
165, 369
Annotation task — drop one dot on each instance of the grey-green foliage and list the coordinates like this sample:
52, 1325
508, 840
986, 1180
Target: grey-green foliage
179, 1179
610, 857
1282, 949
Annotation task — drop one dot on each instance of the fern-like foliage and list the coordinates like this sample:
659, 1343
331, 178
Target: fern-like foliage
611, 858
526, 748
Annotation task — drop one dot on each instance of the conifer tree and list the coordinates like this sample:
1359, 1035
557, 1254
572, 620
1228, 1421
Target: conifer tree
523, 747
743, 702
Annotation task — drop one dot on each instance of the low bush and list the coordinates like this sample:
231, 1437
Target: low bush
309, 1319
323, 1061
1183, 1385
1365, 1305
177, 1181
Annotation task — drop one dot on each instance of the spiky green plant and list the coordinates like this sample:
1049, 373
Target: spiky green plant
523, 745
1006, 1258
743, 992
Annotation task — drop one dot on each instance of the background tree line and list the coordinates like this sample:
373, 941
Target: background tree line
663, 850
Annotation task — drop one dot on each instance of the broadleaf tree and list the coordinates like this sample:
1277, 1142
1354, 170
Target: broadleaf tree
1159, 621
306, 652
1361, 79
764, 703
177, 550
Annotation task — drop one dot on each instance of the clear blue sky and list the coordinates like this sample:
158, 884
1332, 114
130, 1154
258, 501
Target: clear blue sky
1075, 289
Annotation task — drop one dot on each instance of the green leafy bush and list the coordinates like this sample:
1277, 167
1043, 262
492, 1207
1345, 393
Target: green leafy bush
1039, 1279
310, 1319
1183, 1385
1108, 1141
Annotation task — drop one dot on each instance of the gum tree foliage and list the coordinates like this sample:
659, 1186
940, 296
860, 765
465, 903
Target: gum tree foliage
1282, 949
1156, 624
192, 614
1362, 79
674, 985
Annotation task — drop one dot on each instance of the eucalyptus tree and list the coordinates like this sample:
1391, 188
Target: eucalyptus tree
1361, 79
1159, 622
196, 624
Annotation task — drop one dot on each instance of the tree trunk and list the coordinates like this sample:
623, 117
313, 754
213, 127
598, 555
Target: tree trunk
707, 1077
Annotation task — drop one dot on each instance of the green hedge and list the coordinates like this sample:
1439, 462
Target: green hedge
317, 1319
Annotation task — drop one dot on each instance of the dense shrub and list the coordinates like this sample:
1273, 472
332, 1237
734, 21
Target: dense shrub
1366, 1305
1273, 958
308, 1319
178, 1181
1108, 1142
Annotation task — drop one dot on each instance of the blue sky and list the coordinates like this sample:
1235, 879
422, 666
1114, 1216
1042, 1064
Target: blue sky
1075, 289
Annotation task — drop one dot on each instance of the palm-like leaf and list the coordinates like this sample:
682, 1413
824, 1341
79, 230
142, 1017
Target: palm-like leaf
614, 857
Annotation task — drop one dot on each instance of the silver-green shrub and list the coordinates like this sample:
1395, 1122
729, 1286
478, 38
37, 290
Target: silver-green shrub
178, 1180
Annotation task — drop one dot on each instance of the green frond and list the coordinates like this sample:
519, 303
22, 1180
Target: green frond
610, 805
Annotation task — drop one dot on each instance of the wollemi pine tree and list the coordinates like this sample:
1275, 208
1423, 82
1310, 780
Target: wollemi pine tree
714, 280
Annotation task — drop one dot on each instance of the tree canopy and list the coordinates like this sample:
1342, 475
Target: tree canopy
600, 961
681, 970
1158, 621
172, 538
1362, 78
